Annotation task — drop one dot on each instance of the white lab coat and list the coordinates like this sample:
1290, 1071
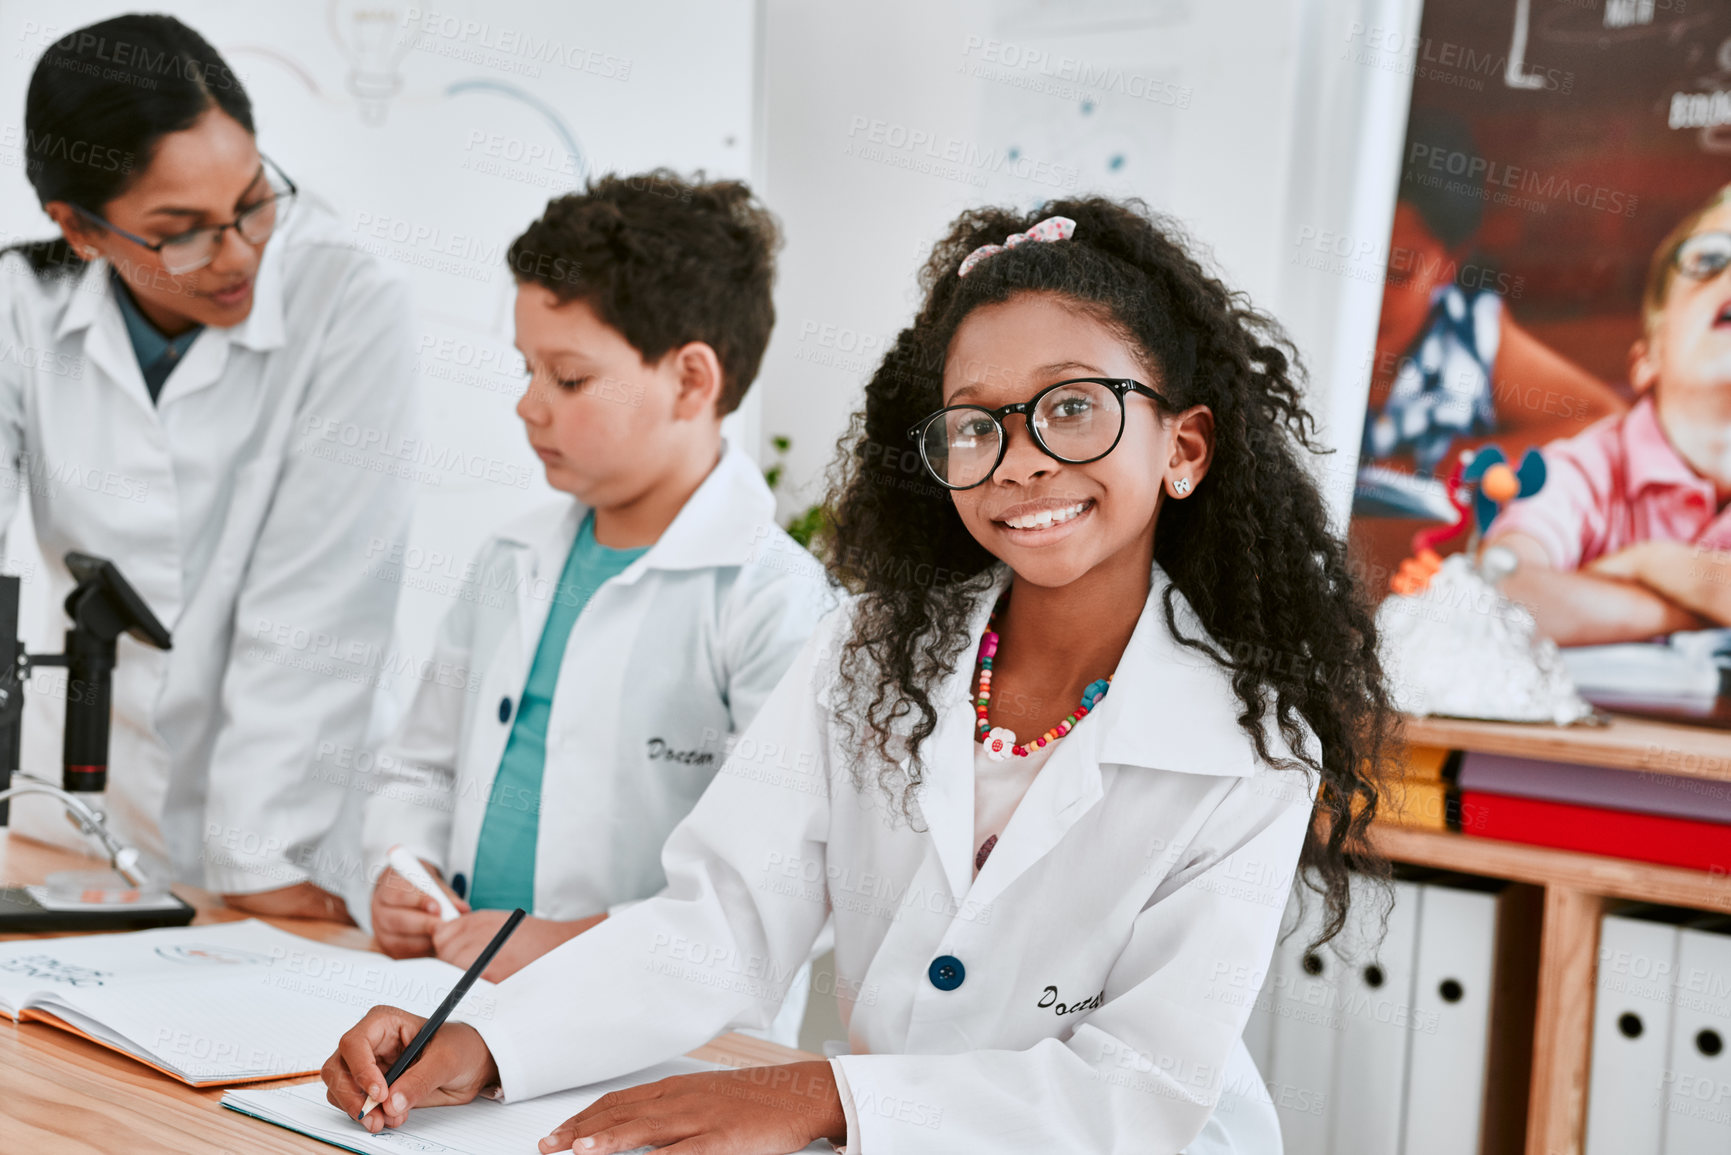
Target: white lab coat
667, 660
1111, 948
243, 506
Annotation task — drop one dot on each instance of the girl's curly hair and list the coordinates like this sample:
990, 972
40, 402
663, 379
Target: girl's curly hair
1251, 550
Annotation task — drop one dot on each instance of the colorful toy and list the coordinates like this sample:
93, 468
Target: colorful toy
1479, 485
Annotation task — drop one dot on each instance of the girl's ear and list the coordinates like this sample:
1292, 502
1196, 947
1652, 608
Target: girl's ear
1643, 365
79, 233
699, 374
1191, 450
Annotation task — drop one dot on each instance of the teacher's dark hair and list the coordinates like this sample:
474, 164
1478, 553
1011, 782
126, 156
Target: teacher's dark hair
98, 103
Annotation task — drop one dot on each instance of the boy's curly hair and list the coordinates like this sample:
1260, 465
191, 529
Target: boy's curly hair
664, 260
1251, 550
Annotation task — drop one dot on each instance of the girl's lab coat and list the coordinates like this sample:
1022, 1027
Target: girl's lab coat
667, 659
244, 506
1086, 992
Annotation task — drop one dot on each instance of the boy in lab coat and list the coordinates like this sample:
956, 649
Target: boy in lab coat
610, 643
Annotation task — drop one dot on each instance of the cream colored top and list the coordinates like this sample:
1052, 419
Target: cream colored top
999, 787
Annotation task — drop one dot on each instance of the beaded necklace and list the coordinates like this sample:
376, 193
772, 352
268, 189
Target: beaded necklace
1000, 741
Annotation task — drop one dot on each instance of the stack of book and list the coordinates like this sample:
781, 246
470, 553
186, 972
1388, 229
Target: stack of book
1640, 815
1632, 814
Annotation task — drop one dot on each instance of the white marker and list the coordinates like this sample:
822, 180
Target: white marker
416, 876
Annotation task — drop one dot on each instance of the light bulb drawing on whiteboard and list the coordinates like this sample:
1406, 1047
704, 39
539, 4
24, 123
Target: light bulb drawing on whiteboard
373, 38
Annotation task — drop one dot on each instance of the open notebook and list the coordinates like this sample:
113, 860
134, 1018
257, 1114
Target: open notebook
210, 1005
478, 1128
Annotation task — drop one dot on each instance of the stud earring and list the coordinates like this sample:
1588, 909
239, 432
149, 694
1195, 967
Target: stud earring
1181, 486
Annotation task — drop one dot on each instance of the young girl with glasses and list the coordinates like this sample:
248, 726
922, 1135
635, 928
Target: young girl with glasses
1105, 685
217, 398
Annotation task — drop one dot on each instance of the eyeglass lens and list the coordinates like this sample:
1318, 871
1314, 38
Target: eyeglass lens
1704, 254
1077, 422
254, 223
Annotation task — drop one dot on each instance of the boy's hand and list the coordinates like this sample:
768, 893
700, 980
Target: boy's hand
404, 918
460, 941
454, 1067
1634, 563
754, 1109
1694, 578
302, 900
1595, 605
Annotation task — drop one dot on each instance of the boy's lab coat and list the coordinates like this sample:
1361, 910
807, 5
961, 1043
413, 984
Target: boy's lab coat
667, 659
243, 507
1101, 966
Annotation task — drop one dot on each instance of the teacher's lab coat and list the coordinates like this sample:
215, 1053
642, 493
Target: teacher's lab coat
243, 507
1099, 970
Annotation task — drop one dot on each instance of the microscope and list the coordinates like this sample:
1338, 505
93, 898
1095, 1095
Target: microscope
102, 606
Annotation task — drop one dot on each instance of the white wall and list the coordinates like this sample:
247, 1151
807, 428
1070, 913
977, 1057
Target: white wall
1247, 120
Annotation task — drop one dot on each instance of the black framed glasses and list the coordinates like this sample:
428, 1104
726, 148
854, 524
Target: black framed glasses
1703, 255
1075, 421
194, 249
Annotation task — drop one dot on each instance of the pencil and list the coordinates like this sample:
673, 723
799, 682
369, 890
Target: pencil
438, 1017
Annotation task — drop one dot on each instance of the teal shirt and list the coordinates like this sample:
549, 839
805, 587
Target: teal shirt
157, 354
504, 875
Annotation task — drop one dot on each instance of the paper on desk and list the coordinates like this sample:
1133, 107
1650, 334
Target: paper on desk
478, 1128
215, 1004
1686, 664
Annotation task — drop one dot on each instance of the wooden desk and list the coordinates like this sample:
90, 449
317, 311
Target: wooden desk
63, 1095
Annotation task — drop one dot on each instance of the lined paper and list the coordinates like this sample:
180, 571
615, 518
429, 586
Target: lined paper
482, 1127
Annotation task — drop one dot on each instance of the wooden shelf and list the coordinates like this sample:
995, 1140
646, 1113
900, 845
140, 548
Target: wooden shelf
1627, 743
1572, 886
1543, 866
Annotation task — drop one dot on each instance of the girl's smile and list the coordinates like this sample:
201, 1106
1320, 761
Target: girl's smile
1043, 522
1050, 520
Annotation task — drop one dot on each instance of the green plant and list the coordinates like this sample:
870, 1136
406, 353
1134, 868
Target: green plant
805, 525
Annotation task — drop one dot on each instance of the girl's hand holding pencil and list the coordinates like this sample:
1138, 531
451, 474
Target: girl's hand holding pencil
454, 1067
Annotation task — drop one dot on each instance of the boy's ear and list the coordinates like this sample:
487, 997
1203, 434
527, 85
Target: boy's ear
1643, 365
698, 371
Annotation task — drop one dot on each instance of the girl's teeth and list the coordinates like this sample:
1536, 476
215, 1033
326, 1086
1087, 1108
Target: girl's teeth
1046, 517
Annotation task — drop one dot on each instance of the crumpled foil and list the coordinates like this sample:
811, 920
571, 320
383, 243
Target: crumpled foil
1461, 649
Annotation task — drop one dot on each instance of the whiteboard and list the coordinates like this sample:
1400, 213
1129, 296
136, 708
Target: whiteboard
435, 133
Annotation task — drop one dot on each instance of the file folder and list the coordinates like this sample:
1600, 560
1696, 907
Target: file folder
1456, 950
1376, 1004
1697, 1077
1631, 1036
1305, 1033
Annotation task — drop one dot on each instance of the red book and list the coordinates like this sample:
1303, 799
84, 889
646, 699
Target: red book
1615, 833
